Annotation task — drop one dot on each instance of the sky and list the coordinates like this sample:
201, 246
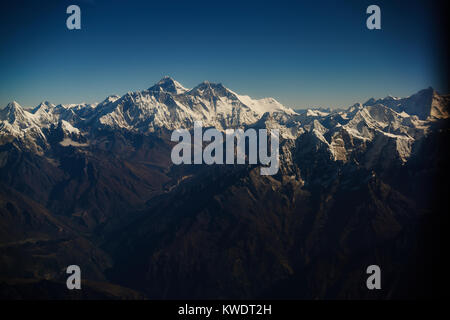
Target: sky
302, 53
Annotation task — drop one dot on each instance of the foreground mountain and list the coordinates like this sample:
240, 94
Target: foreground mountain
94, 185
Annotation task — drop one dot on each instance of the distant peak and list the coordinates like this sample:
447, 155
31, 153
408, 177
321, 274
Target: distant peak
111, 98
13, 105
43, 106
209, 88
369, 102
165, 79
429, 90
424, 93
167, 84
391, 97
206, 84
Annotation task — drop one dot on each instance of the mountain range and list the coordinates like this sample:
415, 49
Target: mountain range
94, 185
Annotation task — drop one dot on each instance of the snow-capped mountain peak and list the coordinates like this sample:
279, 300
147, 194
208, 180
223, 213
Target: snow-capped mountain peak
43, 106
208, 89
13, 106
167, 84
13, 113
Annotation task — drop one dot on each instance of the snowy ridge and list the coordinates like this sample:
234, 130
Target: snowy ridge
170, 106
390, 123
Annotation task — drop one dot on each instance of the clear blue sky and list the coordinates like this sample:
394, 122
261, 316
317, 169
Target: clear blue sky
301, 53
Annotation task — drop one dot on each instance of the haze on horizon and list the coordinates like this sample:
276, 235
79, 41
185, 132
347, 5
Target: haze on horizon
302, 54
